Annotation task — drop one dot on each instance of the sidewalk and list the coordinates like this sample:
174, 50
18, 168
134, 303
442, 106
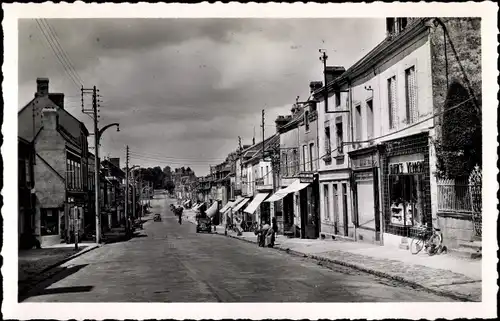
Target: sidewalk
440, 274
35, 265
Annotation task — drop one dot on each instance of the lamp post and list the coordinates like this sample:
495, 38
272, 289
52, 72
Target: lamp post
97, 138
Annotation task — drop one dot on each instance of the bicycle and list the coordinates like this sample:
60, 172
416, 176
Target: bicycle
429, 239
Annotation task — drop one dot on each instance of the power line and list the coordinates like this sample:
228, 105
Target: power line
172, 157
47, 38
62, 51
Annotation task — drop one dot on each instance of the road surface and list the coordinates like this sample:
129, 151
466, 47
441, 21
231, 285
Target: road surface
171, 263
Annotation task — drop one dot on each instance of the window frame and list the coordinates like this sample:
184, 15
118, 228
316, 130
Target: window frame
392, 108
370, 123
409, 111
306, 121
326, 201
311, 156
328, 138
358, 122
339, 138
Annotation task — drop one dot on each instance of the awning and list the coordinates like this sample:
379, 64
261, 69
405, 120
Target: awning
226, 207
212, 210
255, 203
292, 188
240, 205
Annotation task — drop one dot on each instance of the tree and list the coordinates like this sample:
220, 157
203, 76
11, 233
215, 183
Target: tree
460, 147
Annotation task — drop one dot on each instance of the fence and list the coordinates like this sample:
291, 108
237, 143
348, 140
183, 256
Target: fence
461, 197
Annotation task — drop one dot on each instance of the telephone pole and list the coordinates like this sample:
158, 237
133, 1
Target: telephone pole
126, 189
95, 116
263, 126
324, 58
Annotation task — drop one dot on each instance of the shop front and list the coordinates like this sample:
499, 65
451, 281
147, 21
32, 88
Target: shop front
406, 184
366, 196
309, 200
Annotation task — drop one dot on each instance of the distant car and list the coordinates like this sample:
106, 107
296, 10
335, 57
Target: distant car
157, 218
204, 224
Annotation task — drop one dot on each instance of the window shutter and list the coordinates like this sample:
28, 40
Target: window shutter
412, 95
393, 102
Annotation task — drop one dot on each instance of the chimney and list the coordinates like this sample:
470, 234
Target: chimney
49, 118
42, 87
333, 72
115, 161
315, 85
58, 99
280, 122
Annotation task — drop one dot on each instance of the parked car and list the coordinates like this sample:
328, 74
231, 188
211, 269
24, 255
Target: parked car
157, 218
204, 224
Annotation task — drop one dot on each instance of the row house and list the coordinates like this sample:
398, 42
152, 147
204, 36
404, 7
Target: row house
296, 199
378, 128
61, 163
113, 196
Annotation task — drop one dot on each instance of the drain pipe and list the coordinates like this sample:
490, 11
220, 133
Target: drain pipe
349, 85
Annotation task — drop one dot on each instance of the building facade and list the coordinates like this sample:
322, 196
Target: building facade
379, 183
60, 144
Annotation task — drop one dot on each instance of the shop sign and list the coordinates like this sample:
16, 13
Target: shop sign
363, 176
411, 167
306, 178
364, 162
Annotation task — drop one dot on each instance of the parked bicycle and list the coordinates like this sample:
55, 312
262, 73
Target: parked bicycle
429, 239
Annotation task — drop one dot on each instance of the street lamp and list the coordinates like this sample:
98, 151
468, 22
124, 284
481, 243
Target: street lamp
97, 138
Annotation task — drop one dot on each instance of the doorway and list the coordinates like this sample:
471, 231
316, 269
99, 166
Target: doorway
344, 209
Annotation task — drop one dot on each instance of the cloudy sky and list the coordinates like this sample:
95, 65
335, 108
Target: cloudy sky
183, 90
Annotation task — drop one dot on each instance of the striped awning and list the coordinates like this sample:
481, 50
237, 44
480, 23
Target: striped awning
255, 203
241, 204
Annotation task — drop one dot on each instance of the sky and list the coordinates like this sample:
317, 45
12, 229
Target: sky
183, 90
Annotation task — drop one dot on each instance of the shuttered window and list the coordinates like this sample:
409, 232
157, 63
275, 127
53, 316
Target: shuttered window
369, 119
358, 123
328, 141
411, 96
392, 102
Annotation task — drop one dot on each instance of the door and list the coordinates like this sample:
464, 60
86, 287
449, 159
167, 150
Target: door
344, 209
309, 216
303, 212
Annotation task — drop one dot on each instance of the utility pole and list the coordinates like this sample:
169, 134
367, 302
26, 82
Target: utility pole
324, 58
94, 114
263, 126
126, 189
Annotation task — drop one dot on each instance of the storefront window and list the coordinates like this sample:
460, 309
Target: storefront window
406, 199
49, 221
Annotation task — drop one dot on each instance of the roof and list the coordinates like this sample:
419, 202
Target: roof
38, 103
268, 143
381, 50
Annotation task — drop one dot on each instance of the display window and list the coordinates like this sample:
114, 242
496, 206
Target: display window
406, 199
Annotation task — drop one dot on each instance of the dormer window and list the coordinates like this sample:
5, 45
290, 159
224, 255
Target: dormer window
395, 25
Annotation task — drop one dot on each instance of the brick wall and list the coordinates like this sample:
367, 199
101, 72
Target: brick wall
405, 146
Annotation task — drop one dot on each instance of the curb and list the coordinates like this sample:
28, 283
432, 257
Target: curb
23, 289
366, 270
69, 258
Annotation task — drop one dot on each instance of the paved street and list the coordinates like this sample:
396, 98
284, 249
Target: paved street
171, 263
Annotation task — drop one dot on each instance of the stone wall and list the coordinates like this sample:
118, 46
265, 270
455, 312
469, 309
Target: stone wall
455, 229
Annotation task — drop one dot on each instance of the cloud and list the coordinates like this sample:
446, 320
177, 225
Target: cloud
188, 87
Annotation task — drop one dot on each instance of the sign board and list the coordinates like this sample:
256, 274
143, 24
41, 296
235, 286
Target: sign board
366, 161
306, 178
410, 167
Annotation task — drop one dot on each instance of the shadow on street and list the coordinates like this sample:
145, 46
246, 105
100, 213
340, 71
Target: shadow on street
66, 289
56, 275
